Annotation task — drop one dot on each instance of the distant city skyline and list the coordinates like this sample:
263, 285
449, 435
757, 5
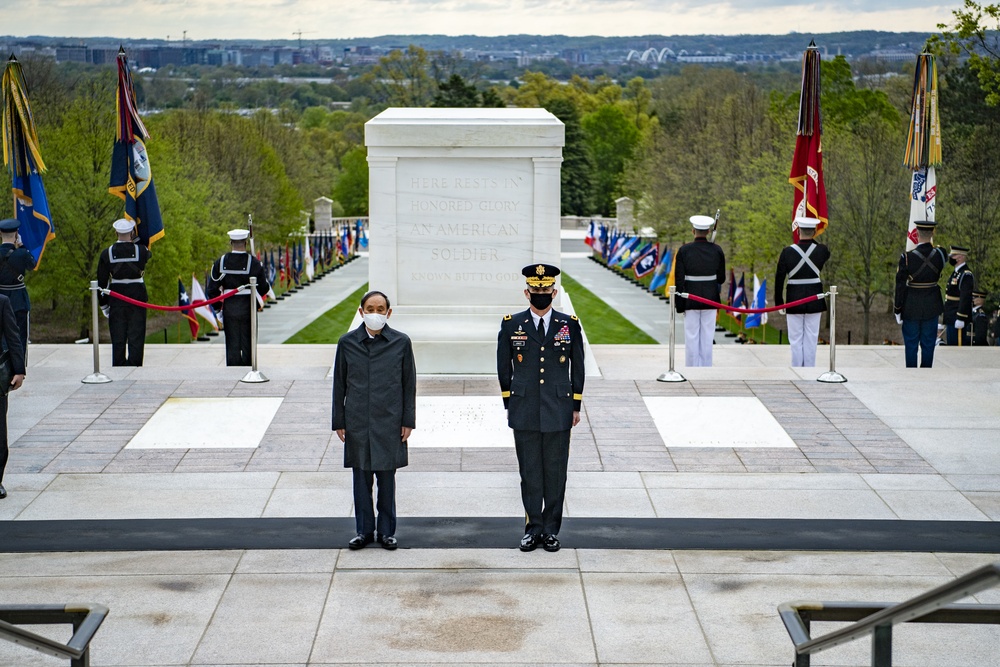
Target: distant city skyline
337, 19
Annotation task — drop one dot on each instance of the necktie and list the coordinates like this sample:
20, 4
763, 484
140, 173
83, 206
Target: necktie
541, 328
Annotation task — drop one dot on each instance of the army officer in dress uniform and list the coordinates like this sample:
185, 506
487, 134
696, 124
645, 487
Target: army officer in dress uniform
541, 371
700, 270
800, 264
15, 262
917, 301
120, 269
958, 297
980, 321
233, 270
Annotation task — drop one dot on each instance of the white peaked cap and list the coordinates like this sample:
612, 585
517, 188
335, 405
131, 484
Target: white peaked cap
805, 222
702, 221
239, 234
123, 226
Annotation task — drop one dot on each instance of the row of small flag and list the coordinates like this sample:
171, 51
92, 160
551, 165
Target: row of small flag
626, 251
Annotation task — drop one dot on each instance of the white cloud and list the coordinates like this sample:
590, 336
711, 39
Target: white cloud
263, 19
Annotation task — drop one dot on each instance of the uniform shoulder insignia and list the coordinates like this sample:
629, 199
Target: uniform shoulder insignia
573, 317
507, 317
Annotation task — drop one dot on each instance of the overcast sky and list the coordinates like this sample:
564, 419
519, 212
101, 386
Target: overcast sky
338, 19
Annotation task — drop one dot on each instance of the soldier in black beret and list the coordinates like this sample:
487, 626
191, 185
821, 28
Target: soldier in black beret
917, 301
15, 262
541, 371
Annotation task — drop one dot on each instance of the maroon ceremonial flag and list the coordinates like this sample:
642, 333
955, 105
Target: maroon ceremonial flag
807, 163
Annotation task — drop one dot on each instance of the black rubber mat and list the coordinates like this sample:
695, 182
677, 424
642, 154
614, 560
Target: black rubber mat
500, 533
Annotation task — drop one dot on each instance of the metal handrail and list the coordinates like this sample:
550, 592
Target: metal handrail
86, 620
932, 601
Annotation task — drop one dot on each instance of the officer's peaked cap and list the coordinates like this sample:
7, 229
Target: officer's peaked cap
958, 250
805, 222
9, 225
540, 275
702, 222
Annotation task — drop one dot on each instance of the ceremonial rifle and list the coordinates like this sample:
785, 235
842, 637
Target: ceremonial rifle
715, 226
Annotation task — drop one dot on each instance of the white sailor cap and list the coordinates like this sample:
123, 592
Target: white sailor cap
123, 226
702, 222
805, 222
239, 234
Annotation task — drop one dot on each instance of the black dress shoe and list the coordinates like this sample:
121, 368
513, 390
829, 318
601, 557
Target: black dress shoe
529, 542
3, 492
389, 543
551, 543
360, 541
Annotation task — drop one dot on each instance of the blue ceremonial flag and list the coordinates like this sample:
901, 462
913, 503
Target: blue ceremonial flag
661, 272
759, 301
22, 157
624, 245
646, 263
131, 175
362, 235
630, 258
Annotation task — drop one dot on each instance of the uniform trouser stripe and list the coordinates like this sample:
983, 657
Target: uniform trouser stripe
542, 460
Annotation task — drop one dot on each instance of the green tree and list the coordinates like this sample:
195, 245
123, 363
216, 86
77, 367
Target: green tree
402, 79
975, 33
612, 139
455, 92
351, 186
577, 165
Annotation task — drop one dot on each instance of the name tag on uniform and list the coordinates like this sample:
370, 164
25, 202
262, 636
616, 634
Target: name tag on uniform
518, 341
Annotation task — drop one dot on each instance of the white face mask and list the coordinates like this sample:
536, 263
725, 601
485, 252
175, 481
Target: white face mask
375, 321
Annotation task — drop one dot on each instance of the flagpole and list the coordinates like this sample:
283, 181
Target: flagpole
671, 375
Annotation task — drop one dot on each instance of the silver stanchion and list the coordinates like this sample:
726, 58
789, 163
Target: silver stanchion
97, 377
672, 375
253, 375
832, 375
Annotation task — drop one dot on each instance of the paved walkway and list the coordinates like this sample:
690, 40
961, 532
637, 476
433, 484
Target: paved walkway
891, 445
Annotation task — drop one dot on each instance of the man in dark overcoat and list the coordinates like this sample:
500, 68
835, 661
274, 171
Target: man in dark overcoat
374, 411
540, 366
800, 264
917, 301
10, 338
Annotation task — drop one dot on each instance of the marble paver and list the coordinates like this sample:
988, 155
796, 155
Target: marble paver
189, 423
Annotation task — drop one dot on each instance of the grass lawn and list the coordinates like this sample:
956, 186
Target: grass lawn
603, 324
331, 325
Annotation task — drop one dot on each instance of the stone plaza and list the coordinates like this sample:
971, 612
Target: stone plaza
211, 551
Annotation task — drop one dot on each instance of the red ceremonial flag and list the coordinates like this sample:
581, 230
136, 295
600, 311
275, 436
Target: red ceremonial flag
807, 163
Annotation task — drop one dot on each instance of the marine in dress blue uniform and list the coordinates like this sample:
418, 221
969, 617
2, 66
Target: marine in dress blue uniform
540, 366
800, 264
120, 268
958, 297
700, 270
917, 302
233, 270
15, 262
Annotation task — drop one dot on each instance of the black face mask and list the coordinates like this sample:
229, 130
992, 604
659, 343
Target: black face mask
540, 301
952, 261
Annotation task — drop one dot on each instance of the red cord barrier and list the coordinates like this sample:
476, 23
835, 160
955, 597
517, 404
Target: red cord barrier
770, 309
193, 304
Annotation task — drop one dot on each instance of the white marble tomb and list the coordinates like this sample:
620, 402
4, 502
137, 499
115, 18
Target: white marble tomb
459, 201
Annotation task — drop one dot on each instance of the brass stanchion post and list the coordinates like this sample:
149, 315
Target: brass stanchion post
97, 377
832, 375
253, 375
672, 375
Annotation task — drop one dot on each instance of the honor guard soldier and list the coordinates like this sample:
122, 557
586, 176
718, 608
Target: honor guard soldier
700, 270
958, 297
801, 264
15, 262
120, 269
917, 301
234, 270
541, 371
980, 321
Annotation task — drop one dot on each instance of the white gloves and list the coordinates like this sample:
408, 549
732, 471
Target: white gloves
782, 311
899, 318
106, 310
959, 324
